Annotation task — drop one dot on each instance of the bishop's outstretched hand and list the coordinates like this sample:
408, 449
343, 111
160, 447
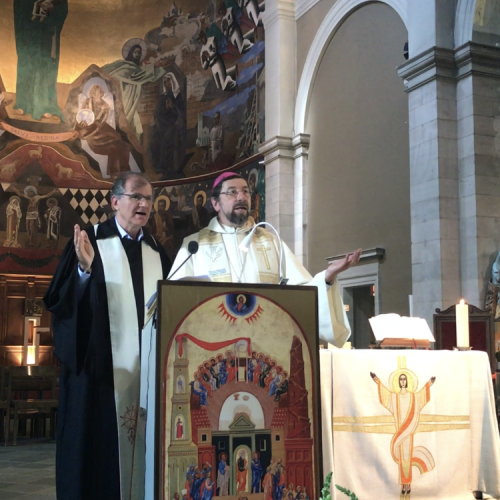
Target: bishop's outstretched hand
338, 266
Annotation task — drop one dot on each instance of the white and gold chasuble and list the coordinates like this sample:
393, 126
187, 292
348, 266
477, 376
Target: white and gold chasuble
220, 258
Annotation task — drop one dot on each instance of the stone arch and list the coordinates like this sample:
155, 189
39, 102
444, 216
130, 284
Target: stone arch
337, 14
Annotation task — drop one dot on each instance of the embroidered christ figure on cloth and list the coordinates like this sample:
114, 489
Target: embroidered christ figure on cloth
405, 403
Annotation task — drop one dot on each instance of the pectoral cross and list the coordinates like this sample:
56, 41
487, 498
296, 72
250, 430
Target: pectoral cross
264, 250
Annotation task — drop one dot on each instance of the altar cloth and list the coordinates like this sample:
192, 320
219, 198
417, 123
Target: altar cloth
400, 428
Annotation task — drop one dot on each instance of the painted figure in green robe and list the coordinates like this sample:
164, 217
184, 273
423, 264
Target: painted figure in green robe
38, 26
132, 75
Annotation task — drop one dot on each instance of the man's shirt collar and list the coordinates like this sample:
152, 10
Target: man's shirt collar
124, 234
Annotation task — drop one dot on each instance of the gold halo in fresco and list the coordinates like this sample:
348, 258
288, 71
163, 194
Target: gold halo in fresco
162, 197
130, 43
198, 193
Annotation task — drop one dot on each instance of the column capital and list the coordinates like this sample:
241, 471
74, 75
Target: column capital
278, 9
277, 147
301, 142
438, 63
432, 64
478, 59
285, 147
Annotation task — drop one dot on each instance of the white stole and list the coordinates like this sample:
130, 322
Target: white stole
123, 325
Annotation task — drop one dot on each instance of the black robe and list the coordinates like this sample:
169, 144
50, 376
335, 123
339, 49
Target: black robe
87, 458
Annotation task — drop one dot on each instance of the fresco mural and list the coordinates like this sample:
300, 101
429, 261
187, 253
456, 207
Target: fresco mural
91, 89
37, 214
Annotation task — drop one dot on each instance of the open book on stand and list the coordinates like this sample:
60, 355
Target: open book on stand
393, 330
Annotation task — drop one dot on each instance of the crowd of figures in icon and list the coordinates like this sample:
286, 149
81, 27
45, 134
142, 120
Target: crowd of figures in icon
220, 370
200, 486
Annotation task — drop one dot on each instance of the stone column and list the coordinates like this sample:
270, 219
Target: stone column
454, 102
278, 158
301, 156
278, 150
431, 86
478, 113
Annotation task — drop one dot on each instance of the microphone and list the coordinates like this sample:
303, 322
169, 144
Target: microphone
247, 240
192, 249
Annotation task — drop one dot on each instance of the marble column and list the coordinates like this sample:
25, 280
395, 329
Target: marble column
431, 87
478, 127
454, 118
278, 148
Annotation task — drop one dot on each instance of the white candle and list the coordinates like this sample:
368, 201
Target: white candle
410, 304
462, 318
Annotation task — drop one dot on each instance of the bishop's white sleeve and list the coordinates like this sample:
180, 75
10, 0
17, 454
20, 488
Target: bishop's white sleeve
333, 324
332, 319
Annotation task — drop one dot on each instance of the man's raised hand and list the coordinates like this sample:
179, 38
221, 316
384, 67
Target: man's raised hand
83, 248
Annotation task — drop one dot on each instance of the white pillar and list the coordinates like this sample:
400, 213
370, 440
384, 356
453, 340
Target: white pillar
278, 150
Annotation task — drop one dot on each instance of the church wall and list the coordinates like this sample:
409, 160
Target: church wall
358, 178
307, 26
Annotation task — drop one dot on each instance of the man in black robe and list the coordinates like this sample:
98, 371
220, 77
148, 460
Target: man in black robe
88, 335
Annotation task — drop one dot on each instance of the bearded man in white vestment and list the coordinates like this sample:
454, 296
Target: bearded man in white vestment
220, 258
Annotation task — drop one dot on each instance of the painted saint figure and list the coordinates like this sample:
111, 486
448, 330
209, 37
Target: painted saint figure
14, 214
164, 139
223, 476
207, 487
221, 369
132, 75
199, 215
276, 381
32, 215
267, 484
279, 480
179, 429
167, 143
251, 366
180, 385
162, 225
241, 471
189, 480
405, 403
282, 386
102, 138
216, 137
38, 27
256, 472
198, 389
53, 217
230, 366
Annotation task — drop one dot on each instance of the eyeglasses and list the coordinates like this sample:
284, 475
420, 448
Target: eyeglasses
234, 192
138, 197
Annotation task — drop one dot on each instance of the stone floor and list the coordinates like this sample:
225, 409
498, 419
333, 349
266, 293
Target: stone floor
27, 471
